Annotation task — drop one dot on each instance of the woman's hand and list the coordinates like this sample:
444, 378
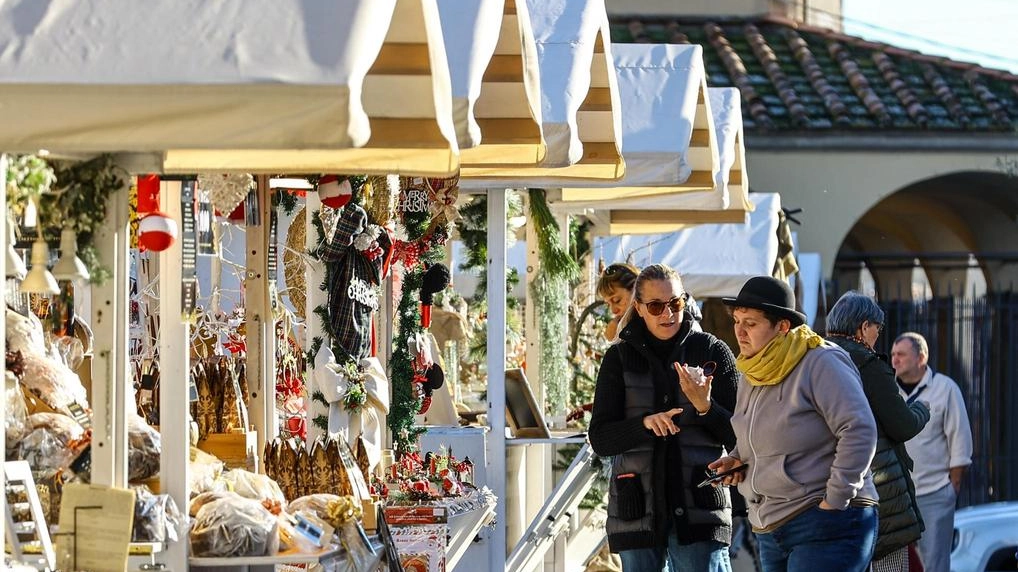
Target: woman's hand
726, 464
661, 424
825, 506
697, 392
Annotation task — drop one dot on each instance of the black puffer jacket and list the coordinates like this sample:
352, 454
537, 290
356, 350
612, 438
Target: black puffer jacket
654, 479
900, 521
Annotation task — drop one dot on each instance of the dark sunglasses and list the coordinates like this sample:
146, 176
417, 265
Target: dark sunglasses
656, 308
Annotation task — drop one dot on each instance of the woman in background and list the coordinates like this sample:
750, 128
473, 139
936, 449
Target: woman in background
615, 287
854, 323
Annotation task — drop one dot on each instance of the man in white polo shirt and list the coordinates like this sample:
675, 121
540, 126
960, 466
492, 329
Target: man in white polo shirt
941, 451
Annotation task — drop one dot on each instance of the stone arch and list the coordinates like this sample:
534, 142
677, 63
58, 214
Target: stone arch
958, 226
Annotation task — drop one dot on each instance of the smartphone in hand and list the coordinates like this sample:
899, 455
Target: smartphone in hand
720, 476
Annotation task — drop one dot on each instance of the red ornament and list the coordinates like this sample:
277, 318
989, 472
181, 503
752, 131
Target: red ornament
157, 232
334, 191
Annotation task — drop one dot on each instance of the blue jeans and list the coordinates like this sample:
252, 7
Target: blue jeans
708, 556
821, 540
934, 547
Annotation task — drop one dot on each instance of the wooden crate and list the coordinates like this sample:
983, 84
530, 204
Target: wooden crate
237, 450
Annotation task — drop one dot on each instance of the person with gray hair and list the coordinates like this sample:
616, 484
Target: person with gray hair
854, 323
942, 450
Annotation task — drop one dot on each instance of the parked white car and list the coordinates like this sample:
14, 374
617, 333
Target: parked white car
985, 538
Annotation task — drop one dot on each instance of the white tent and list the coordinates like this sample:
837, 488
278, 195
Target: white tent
713, 259
249, 85
643, 212
667, 128
579, 100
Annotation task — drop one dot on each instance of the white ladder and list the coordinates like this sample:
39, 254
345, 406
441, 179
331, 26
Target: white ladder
28, 538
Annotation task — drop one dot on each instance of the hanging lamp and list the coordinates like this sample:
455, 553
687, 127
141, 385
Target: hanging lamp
69, 267
39, 280
15, 264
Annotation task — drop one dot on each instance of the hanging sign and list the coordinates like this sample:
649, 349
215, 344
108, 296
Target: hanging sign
189, 250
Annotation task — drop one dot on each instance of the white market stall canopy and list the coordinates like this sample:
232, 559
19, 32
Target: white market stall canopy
579, 100
728, 203
668, 138
243, 85
713, 259
495, 81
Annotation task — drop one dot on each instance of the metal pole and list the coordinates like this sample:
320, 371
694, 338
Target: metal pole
496, 369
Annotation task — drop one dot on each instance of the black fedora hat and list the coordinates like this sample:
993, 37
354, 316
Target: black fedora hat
770, 294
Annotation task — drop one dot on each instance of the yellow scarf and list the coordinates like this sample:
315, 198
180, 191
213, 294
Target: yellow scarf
772, 365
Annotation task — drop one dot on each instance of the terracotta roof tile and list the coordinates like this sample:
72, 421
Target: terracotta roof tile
800, 78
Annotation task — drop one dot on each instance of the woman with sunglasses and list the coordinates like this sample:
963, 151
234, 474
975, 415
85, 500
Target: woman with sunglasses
854, 323
662, 405
805, 430
615, 287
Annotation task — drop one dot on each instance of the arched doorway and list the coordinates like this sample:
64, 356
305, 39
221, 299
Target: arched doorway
960, 230
941, 256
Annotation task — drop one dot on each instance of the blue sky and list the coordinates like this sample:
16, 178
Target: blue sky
980, 31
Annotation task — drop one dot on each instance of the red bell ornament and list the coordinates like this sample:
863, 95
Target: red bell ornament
157, 232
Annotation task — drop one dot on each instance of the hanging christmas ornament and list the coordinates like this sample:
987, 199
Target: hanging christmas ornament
157, 232
334, 191
435, 279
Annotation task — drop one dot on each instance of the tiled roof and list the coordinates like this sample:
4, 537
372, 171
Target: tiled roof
799, 78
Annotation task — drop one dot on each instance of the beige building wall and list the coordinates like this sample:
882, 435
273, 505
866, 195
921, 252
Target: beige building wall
835, 189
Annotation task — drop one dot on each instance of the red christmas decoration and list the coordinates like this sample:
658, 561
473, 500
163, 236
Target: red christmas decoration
334, 191
157, 232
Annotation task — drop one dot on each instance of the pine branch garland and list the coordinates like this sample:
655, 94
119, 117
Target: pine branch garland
550, 293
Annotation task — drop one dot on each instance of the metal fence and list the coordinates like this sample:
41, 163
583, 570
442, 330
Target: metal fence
975, 342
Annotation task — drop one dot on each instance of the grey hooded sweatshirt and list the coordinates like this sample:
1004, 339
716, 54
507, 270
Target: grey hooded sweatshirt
810, 437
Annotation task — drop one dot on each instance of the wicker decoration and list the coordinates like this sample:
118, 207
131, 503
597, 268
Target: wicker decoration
226, 190
378, 199
293, 262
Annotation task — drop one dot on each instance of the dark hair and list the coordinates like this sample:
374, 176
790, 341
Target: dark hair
657, 272
850, 312
618, 275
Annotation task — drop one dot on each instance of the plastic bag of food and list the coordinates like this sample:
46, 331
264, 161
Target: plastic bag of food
52, 443
317, 504
156, 517
234, 526
16, 421
204, 472
254, 486
25, 333
143, 449
53, 383
205, 498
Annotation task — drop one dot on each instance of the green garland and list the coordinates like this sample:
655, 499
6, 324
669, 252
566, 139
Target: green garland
405, 404
550, 292
69, 194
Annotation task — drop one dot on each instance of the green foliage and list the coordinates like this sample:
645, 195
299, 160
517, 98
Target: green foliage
69, 195
579, 237
286, 201
556, 263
